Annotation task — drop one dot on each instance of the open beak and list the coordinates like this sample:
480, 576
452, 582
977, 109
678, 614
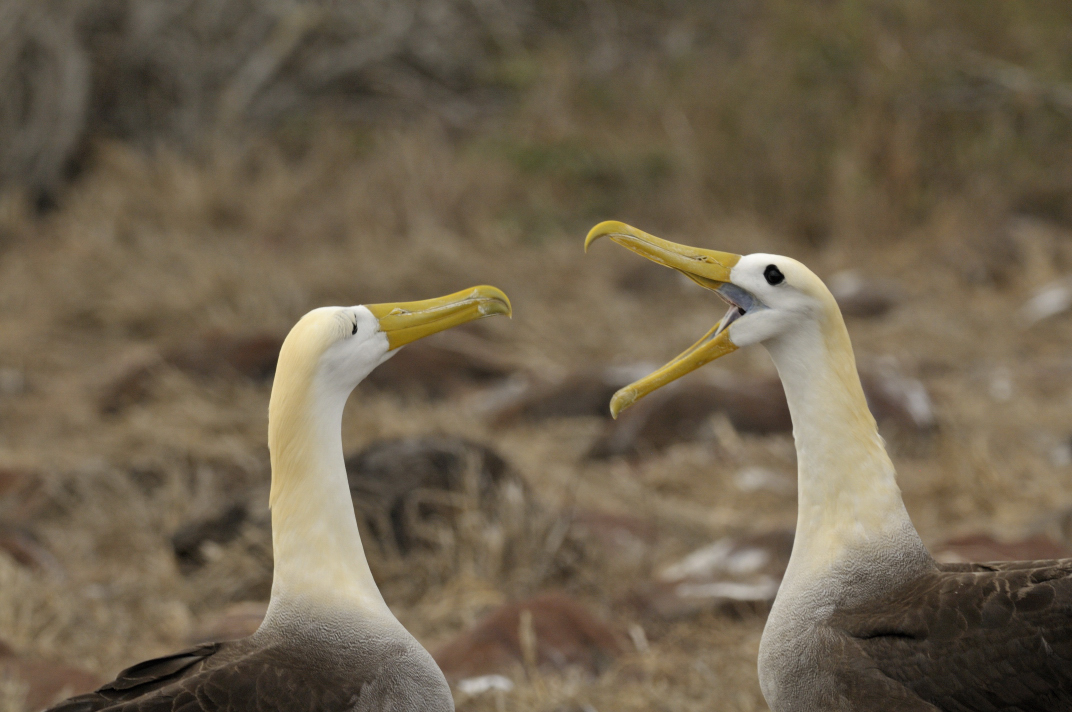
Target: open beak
405, 322
708, 268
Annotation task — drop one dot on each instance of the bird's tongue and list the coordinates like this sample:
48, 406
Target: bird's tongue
731, 316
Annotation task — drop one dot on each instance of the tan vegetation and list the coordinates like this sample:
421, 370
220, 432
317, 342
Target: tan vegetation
919, 143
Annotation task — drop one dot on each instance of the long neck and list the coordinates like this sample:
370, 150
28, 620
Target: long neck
849, 506
319, 560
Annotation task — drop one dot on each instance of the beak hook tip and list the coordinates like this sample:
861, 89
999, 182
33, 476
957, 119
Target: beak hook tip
622, 400
606, 227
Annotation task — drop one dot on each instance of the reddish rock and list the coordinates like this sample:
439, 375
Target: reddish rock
239, 620
723, 575
566, 635
46, 682
972, 548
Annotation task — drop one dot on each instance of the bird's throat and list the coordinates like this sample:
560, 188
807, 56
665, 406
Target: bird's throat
319, 558
849, 504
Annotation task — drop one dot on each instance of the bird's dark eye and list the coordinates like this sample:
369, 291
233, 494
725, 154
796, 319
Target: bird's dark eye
355, 329
773, 275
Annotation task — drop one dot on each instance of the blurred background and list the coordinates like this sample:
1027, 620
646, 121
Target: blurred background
180, 180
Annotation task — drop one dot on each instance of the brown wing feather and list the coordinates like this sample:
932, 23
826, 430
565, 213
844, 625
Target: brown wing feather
973, 637
219, 677
159, 670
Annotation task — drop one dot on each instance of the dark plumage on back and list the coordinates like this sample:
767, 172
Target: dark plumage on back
252, 675
981, 637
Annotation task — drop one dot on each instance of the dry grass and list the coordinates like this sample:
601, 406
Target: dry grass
72, 71
679, 137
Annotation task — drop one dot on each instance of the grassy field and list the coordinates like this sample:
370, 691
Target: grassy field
926, 147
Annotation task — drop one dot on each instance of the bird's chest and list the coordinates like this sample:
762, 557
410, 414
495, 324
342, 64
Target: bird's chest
806, 661
795, 654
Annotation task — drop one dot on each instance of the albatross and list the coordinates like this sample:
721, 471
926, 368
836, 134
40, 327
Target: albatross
328, 642
865, 619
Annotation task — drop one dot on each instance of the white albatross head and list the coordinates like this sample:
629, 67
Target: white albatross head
770, 298
342, 345
332, 349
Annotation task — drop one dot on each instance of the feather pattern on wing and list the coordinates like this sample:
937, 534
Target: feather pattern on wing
991, 637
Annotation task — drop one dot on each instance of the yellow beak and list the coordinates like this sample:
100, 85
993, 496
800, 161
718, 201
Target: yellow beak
406, 322
708, 268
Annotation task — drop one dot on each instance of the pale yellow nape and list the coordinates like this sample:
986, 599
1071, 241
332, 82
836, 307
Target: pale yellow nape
319, 557
848, 494
292, 389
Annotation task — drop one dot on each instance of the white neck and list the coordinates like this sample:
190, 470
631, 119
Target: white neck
319, 560
850, 509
